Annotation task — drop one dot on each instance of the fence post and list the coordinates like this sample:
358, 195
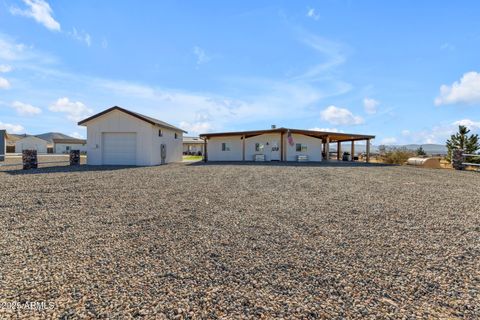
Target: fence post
458, 159
74, 157
29, 159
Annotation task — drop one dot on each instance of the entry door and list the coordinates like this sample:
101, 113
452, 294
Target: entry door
163, 152
275, 151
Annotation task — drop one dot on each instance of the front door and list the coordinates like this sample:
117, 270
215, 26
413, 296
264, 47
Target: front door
163, 152
275, 151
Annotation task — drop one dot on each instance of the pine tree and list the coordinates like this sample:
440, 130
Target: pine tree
461, 140
421, 152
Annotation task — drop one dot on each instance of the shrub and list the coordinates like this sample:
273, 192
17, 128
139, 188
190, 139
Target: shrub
397, 155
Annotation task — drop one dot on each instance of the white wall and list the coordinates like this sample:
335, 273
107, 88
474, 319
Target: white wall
31, 143
148, 141
173, 146
194, 147
215, 153
314, 147
270, 138
61, 148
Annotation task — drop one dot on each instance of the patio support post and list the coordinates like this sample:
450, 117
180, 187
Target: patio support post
205, 155
327, 148
243, 148
339, 150
352, 150
281, 147
368, 150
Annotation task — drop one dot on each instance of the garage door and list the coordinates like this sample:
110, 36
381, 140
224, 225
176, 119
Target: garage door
119, 148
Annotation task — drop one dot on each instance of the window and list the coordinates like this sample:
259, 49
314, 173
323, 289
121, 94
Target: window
301, 147
160, 133
258, 147
225, 147
176, 135
67, 148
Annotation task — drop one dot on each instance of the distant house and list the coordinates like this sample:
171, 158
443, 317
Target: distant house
61, 146
193, 145
118, 136
31, 143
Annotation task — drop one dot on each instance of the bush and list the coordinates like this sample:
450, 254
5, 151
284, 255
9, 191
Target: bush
397, 155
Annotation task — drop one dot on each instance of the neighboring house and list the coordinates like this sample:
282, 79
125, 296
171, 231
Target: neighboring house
118, 136
11, 140
31, 143
61, 146
278, 144
193, 145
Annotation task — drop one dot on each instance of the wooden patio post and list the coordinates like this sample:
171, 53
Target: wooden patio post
243, 148
205, 154
352, 151
339, 150
327, 148
281, 146
368, 150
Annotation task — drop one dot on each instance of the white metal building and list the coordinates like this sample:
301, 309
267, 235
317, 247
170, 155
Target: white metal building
118, 136
193, 145
279, 144
31, 143
62, 146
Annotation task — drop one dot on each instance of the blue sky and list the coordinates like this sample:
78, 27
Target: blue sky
405, 71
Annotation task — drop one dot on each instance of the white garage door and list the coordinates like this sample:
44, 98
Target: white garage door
119, 148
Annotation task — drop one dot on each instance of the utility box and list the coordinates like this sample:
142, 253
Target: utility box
3, 144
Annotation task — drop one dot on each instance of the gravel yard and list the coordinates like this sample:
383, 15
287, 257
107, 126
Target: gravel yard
234, 241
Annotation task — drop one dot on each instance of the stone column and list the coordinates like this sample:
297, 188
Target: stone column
339, 150
352, 151
327, 148
74, 157
368, 150
29, 159
457, 159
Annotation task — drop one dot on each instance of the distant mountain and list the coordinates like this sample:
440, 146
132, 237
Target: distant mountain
49, 136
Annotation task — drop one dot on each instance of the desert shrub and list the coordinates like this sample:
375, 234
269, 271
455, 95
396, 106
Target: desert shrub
397, 155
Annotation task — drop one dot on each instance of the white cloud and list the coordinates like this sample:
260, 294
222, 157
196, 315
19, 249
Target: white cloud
4, 83
333, 53
389, 140
77, 135
312, 13
201, 55
75, 111
12, 128
40, 11
340, 116
24, 109
467, 90
406, 133
447, 46
325, 129
104, 43
5, 68
81, 36
470, 124
370, 105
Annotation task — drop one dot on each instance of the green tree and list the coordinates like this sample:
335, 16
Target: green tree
462, 140
421, 152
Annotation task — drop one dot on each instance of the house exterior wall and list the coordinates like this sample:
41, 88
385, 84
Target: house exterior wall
31, 143
173, 146
215, 153
314, 147
3, 144
147, 144
61, 148
264, 139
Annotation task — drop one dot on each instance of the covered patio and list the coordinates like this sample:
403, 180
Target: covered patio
326, 139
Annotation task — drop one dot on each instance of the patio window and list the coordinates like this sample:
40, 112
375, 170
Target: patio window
225, 147
259, 147
301, 147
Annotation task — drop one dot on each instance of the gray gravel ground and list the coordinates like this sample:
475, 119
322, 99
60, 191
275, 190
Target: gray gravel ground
240, 241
